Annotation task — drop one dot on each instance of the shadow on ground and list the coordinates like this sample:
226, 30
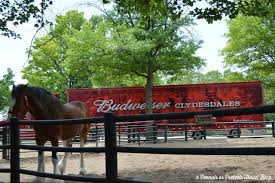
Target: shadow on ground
221, 175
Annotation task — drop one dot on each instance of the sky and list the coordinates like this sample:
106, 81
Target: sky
13, 51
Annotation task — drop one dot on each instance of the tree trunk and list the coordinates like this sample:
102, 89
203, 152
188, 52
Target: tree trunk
149, 101
149, 89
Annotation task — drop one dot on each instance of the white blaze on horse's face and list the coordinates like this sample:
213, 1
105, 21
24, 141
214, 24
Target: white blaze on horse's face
12, 104
26, 98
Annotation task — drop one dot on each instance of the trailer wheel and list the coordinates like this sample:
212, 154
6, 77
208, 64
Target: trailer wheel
233, 133
197, 135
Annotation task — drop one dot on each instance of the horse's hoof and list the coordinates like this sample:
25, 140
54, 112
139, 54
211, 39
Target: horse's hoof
55, 180
61, 169
83, 171
40, 180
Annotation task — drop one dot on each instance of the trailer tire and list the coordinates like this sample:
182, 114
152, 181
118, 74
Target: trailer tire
197, 135
233, 133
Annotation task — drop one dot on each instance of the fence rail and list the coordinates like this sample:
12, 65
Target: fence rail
111, 148
131, 132
201, 150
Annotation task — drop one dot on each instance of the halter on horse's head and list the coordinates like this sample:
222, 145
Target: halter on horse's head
19, 105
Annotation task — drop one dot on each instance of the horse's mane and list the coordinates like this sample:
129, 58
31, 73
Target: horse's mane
39, 91
46, 102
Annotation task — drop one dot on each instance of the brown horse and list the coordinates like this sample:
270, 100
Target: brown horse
43, 105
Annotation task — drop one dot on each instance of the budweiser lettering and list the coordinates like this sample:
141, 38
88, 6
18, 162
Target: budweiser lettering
109, 105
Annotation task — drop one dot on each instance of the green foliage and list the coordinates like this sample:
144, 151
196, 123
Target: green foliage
211, 11
5, 83
251, 49
19, 12
196, 77
211, 77
101, 52
136, 41
57, 61
70, 55
233, 76
251, 42
217, 8
150, 45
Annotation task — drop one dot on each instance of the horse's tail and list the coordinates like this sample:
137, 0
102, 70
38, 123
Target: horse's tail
85, 110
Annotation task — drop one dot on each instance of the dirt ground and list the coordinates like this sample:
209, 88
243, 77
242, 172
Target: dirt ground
173, 168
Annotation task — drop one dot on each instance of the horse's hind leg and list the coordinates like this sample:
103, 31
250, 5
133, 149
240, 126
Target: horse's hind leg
63, 162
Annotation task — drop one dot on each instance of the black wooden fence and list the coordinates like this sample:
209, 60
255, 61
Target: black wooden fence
111, 149
4, 130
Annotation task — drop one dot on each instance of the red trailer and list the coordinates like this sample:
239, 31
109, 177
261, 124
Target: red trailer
179, 98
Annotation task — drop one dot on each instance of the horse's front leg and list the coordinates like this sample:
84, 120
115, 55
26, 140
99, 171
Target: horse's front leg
56, 169
41, 160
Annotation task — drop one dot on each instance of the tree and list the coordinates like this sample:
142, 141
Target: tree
100, 52
210, 10
19, 12
56, 63
251, 43
234, 76
250, 48
147, 15
68, 56
196, 77
149, 46
5, 83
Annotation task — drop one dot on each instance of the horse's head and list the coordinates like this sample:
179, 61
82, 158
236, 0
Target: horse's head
18, 105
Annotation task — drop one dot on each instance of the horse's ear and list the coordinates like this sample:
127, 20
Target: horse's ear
13, 86
27, 85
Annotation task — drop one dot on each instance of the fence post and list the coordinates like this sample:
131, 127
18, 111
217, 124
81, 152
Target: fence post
204, 132
96, 135
129, 133
5, 142
15, 152
186, 131
238, 130
155, 132
138, 134
9, 141
119, 134
110, 147
165, 133
273, 130
134, 134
